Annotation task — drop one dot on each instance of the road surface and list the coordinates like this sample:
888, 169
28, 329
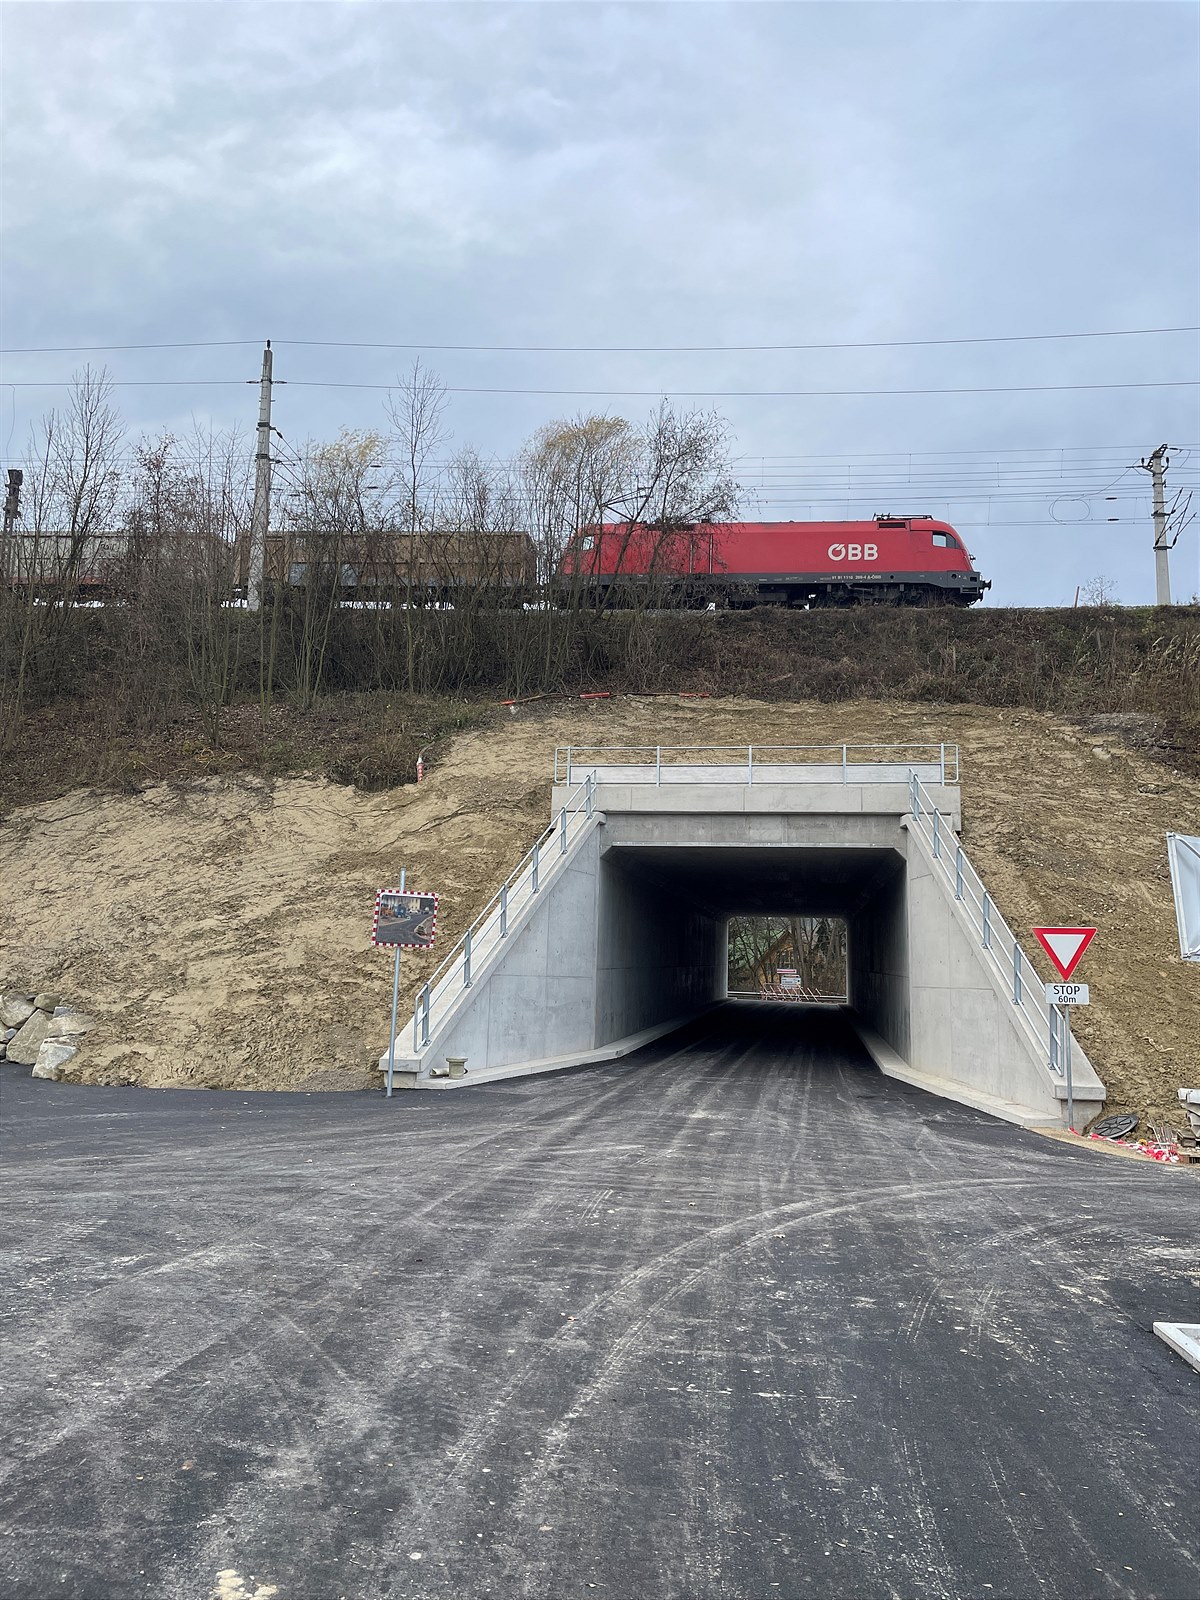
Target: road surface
736, 1317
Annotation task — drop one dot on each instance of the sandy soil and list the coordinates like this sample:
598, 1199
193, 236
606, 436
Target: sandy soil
220, 930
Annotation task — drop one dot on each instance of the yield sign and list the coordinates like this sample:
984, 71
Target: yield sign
1065, 946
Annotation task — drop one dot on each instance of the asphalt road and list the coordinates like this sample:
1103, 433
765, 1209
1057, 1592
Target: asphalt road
737, 1317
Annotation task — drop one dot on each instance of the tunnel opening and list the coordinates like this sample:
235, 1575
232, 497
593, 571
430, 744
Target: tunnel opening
792, 959
672, 916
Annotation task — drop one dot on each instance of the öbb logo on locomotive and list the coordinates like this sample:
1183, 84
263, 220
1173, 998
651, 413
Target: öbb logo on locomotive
854, 552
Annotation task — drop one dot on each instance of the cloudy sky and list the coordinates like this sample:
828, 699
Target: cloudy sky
647, 175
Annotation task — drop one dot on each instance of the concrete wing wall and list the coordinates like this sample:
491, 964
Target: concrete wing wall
538, 1000
963, 1025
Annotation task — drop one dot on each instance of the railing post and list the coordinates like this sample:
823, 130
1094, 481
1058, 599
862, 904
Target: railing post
562, 831
425, 1015
467, 959
987, 920
416, 1023
914, 784
535, 868
1054, 1045
845, 776
958, 872
657, 766
943, 761
504, 912
589, 797
1016, 973
750, 764
937, 837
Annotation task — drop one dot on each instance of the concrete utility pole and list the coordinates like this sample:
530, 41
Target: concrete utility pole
1156, 466
260, 520
12, 511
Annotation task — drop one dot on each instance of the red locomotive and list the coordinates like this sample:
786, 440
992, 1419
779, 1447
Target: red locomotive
888, 561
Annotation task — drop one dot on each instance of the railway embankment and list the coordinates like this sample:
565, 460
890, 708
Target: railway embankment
108, 702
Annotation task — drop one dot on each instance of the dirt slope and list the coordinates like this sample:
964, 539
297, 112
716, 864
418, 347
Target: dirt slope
220, 929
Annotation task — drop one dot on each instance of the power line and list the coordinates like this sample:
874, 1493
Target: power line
634, 394
764, 394
604, 349
734, 349
978, 450
99, 349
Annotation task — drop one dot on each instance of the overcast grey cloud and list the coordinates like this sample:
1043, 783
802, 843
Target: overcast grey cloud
644, 175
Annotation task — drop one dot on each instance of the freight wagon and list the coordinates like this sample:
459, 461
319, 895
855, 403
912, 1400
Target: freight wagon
887, 561
428, 568
99, 566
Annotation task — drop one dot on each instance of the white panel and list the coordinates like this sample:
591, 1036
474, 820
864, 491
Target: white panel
1183, 853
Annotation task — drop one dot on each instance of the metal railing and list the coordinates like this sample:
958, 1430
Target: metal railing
490, 928
996, 938
761, 763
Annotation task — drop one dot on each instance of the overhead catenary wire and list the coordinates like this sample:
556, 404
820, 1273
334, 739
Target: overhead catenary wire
1025, 463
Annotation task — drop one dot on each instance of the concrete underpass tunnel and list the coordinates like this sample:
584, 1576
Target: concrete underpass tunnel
665, 912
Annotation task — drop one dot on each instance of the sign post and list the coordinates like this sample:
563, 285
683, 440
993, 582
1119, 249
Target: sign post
1065, 947
395, 1004
402, 921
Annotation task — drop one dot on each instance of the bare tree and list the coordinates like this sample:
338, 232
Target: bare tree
1099, 591
334, 530
73, 482
187, 504
76, 473
683, 484
416, 408
576, 475
649, 486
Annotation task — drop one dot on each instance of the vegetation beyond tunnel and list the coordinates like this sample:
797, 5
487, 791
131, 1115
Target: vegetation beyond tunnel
775, 957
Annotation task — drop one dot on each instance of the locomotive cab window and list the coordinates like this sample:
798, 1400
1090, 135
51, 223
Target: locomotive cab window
946, 541
588, 542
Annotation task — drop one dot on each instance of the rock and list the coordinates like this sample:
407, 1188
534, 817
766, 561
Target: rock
1132, 727
24, 1048
53, 1057
46, 1001
65, 1023
14, 1010
1124, 722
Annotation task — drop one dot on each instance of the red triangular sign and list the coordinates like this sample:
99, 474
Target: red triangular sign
1065, 946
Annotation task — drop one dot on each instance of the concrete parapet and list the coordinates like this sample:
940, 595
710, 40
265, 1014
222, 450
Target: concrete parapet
791, 799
